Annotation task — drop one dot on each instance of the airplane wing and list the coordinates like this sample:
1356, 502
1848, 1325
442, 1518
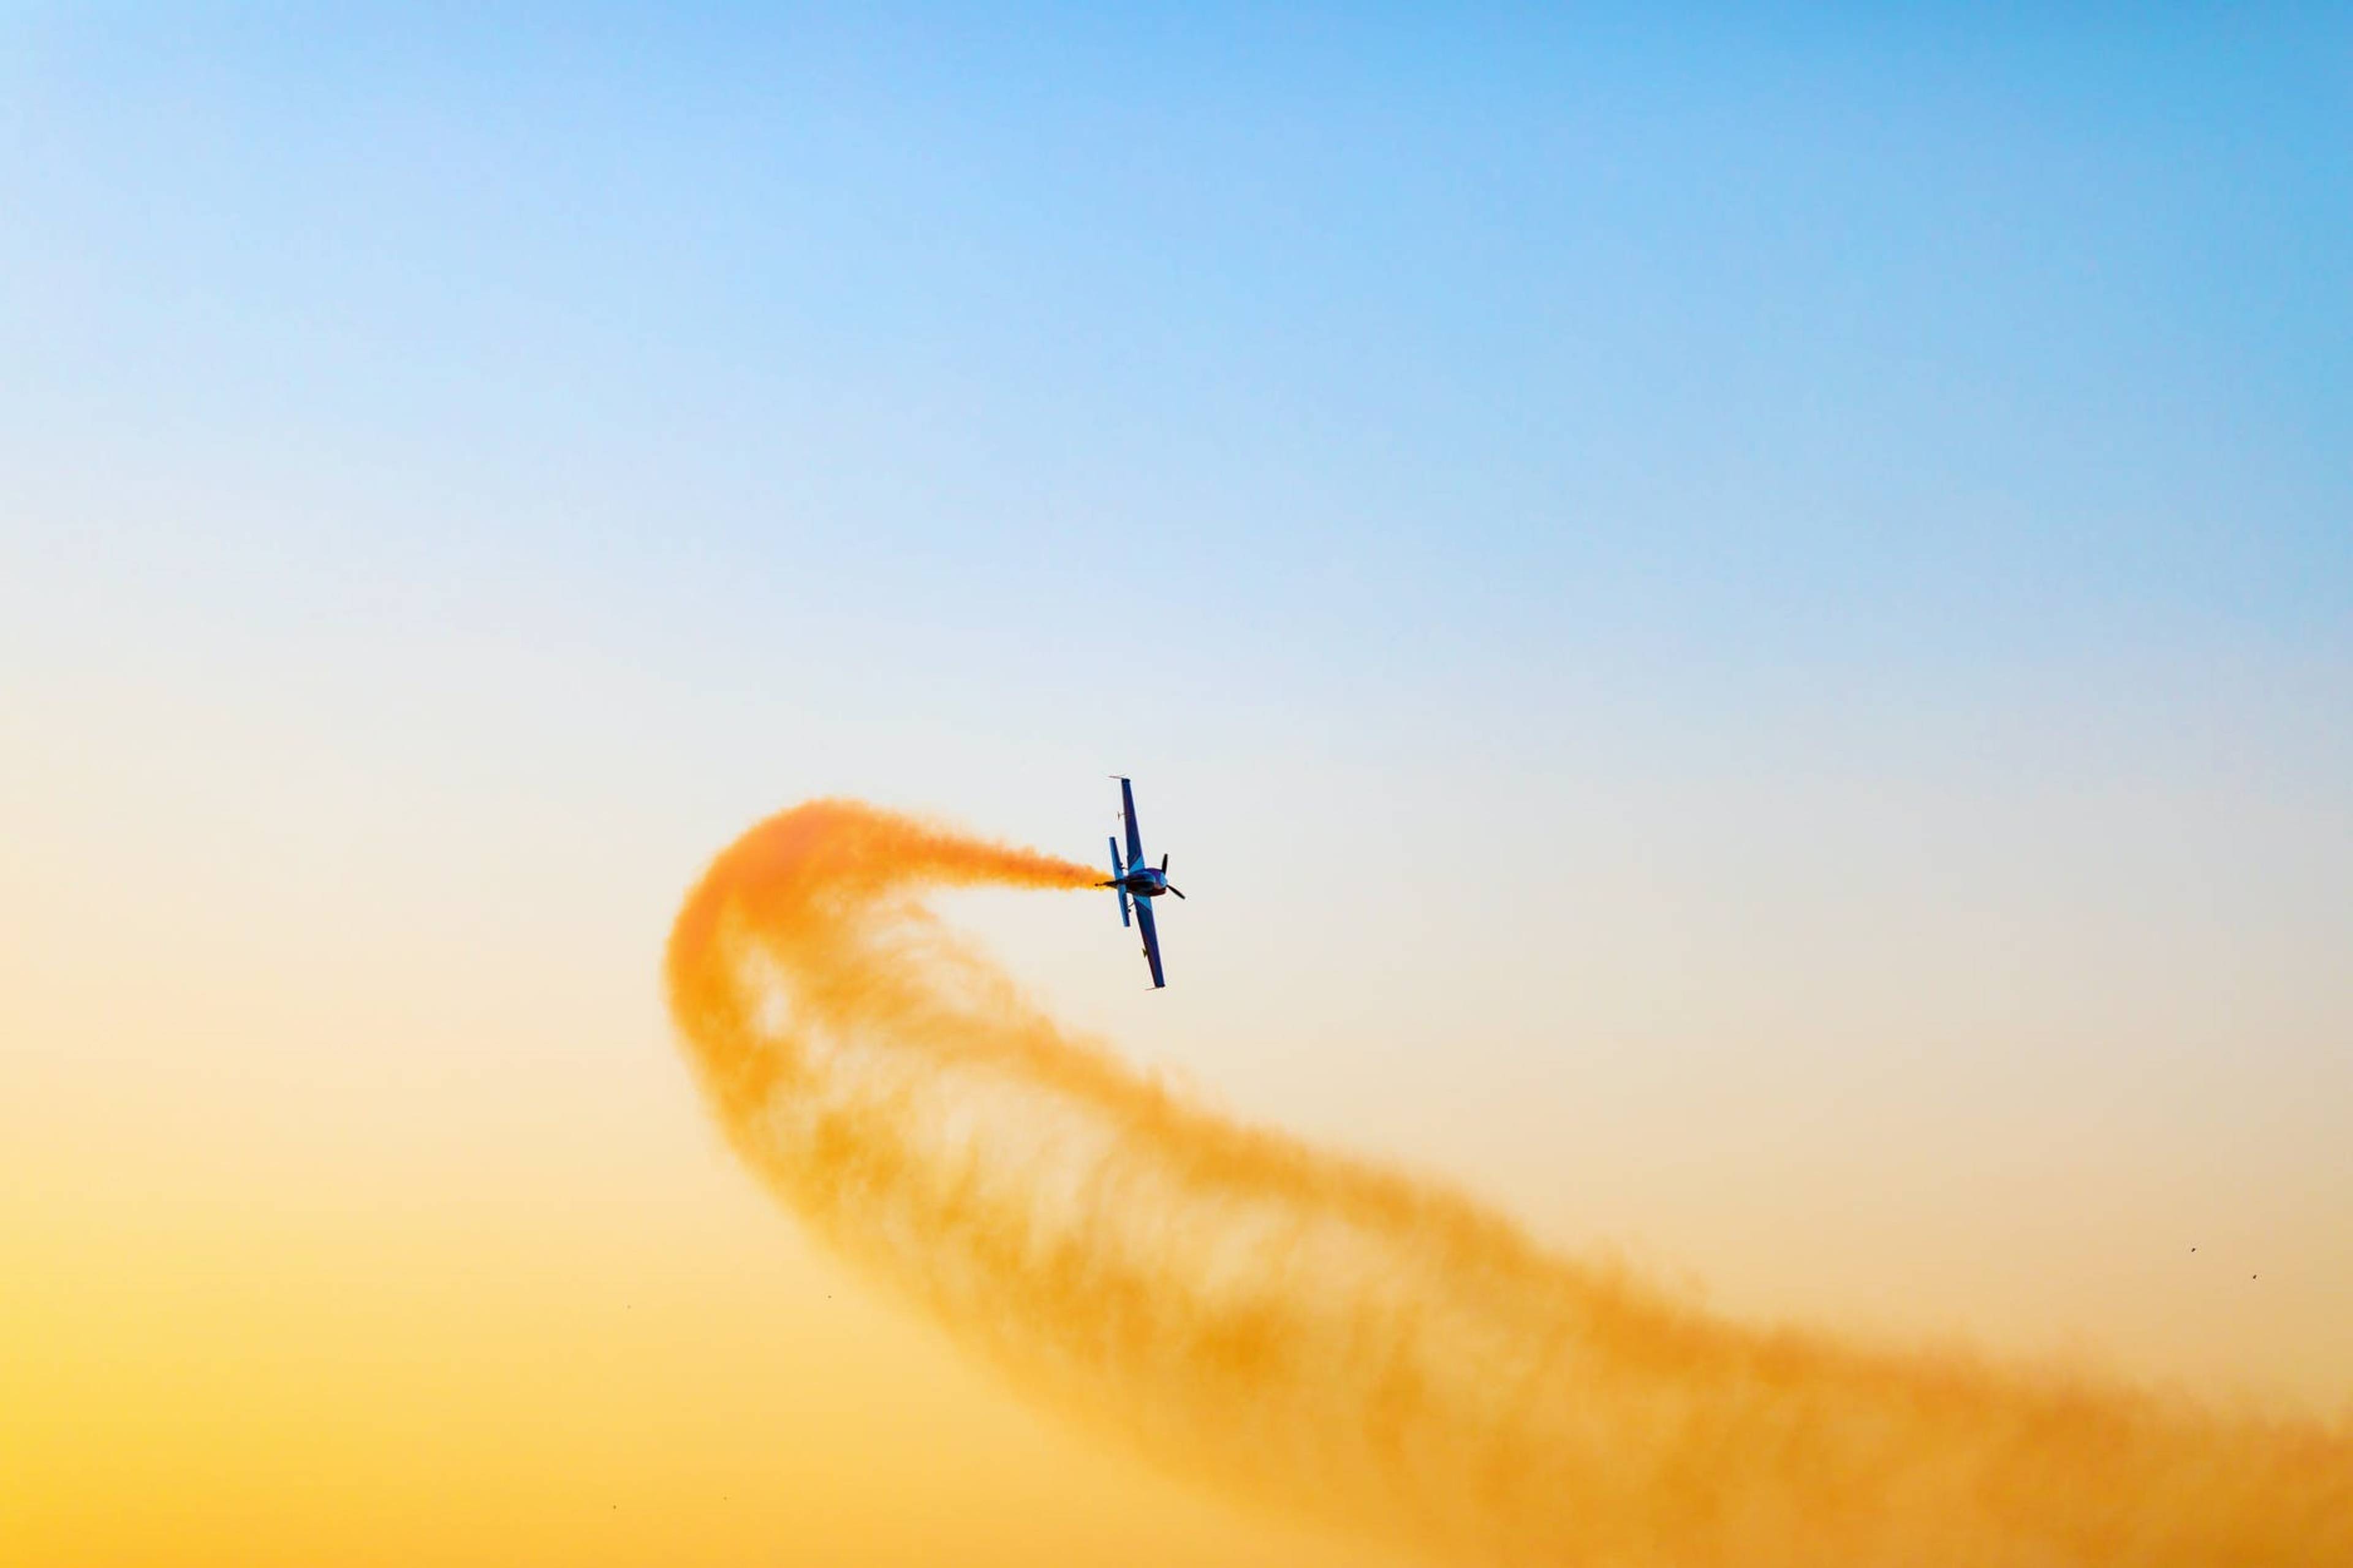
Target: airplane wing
1151, 931
1134, 837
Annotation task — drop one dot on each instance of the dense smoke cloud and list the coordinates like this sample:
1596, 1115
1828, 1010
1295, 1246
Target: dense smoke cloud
1367, 1347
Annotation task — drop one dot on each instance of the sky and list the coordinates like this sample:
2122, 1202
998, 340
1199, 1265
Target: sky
1740, 627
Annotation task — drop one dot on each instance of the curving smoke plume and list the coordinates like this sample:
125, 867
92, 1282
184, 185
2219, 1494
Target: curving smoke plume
1366, 1346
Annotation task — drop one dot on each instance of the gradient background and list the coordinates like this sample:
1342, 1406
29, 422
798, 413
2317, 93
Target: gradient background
1741, 629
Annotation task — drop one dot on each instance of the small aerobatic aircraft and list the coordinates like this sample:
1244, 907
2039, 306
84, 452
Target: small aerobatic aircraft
1134, 878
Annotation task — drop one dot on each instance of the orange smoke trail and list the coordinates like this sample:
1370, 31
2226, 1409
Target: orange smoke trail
1369, 1347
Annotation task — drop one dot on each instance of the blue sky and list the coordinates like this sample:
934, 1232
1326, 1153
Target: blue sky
1835, 338
1434, 384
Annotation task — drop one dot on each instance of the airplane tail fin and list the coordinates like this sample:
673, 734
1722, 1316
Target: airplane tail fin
1117, 871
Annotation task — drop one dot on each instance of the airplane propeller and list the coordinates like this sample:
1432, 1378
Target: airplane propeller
1164, 873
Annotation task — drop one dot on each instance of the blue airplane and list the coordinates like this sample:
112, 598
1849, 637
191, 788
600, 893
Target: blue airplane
1134, 878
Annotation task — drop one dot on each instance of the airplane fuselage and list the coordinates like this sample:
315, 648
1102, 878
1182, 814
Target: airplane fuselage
1139, 883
